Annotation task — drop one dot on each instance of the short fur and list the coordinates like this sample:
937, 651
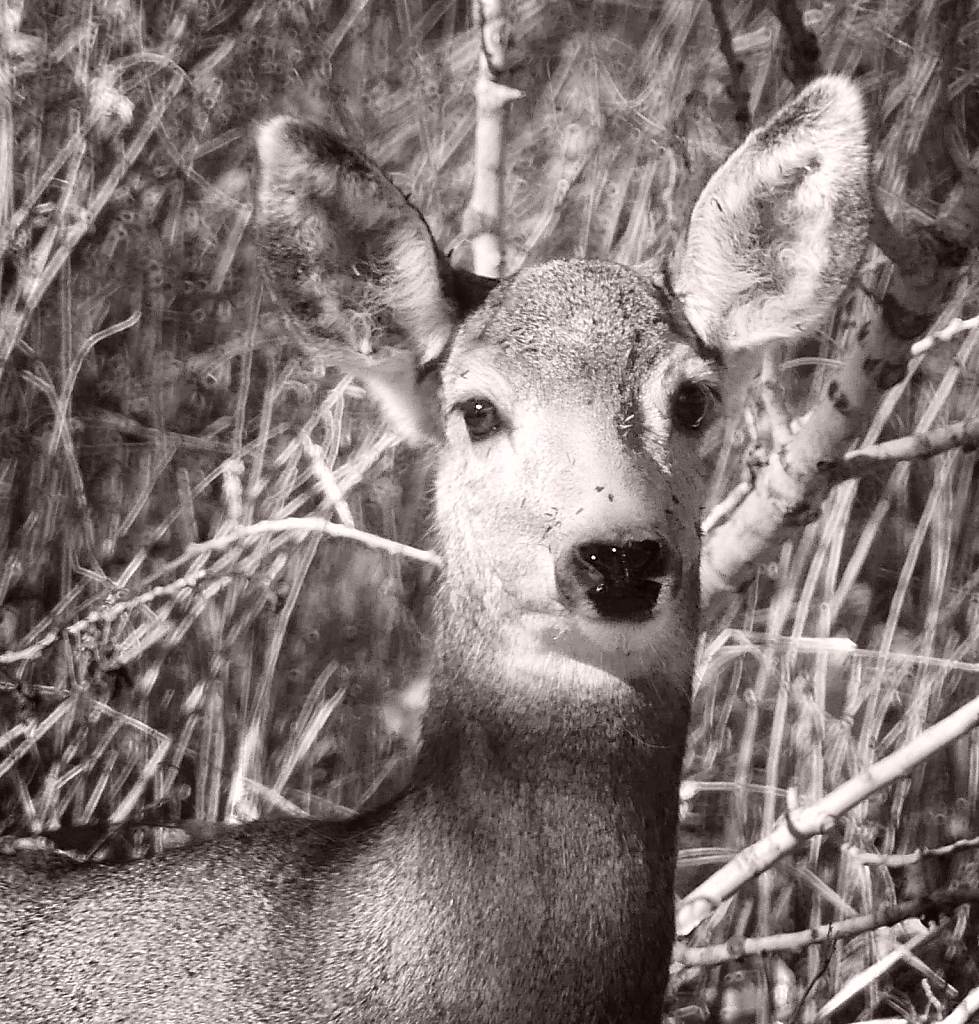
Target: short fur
527, 874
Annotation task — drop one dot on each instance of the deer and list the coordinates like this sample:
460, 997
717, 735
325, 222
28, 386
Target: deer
526, 873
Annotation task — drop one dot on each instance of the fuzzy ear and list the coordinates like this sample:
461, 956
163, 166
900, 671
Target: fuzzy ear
781, 227
330, 221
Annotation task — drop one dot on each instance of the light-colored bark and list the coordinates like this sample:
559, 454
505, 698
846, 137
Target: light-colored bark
483, 220
789, 489
799, 826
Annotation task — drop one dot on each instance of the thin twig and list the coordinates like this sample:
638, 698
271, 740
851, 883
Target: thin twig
965, 1011
964, 435
904, 860
738, 947
953, 328
103, 615
872, 975
736, 87
726, 507
313, 524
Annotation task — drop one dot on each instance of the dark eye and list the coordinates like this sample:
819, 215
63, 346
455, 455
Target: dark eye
482, 418
692, 404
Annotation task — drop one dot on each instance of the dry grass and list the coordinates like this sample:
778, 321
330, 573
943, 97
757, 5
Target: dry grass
165, 656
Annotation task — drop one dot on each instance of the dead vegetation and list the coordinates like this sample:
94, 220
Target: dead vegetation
176, 644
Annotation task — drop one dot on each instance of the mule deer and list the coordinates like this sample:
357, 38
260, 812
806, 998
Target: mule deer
526, 875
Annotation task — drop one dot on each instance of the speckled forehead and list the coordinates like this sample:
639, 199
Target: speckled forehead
567, 323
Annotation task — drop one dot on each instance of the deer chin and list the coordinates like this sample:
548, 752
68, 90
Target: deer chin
622, 649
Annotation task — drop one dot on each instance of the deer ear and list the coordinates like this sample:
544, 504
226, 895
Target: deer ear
781, 227
338, 240
330, 221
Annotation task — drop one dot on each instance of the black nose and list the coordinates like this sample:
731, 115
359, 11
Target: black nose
617, 581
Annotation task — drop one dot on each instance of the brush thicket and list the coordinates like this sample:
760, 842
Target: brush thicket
149, 403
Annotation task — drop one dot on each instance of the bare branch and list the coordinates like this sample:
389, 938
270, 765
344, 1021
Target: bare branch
790, 488
482, 221
964, 434
872, 974
801, 61
312, 524
737, 495
965, 1011
737, 946
736, 88
905, 860
797, 827
953, 328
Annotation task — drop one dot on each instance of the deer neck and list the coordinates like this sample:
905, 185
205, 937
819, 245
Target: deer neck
507, 714
545, 799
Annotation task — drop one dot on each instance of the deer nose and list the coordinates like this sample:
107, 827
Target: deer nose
619, 582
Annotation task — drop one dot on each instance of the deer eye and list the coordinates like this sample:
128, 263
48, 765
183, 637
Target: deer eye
481, 417
692, 404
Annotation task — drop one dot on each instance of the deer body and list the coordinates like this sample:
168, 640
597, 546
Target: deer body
526, 875
292, 921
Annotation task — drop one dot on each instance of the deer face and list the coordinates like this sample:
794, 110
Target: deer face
571, 476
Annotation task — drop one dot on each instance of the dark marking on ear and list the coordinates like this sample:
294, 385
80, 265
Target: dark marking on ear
328, 149
884, 373
889, 373
893, 373
871, 367
905, 323
795, 116
678, 322
836, 395
468, 289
